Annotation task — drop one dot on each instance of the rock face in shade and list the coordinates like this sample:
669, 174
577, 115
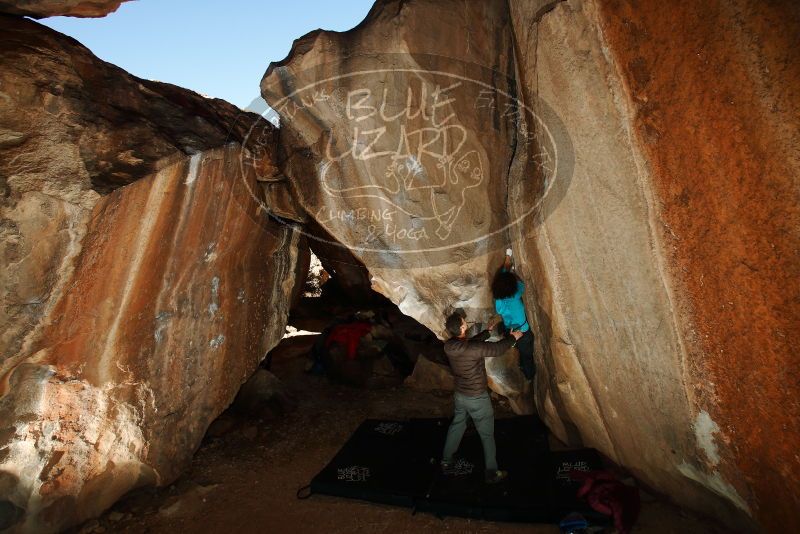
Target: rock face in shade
506, 378
140, 286
655, 175
39, 9
71, 127
373, 168
669, 297
611, 351
430, 376
725, 143
181, 287
406, 162
102, 126
346, 271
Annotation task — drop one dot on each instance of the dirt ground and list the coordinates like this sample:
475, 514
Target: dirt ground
244, 479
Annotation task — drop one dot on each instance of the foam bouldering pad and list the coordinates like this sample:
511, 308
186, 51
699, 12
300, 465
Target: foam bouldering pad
397, 462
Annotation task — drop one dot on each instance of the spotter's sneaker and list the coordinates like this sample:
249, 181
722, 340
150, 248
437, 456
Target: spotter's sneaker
493, 477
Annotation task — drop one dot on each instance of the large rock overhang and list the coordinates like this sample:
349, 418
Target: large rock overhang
400, 145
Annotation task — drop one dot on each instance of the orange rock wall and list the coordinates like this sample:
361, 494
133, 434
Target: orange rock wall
715, 92
666, 277
182, 286
73, 127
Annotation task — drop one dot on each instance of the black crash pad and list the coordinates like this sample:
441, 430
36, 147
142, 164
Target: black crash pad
397, 462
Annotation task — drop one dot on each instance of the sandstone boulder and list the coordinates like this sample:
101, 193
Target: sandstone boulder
264, 394
643, 176
73, 127
430, 376
60, 8
349, 279
506, 378
400, 157
142, 280
400, 160
181, 287
667, 297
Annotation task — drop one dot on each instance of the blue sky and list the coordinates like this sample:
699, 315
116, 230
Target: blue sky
220, 49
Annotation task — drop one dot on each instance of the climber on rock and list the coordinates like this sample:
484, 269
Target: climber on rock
507, 290
471, 395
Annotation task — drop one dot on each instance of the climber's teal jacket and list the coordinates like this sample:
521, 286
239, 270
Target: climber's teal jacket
512, 310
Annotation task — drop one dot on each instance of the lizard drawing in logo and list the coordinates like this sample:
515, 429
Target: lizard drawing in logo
426, 177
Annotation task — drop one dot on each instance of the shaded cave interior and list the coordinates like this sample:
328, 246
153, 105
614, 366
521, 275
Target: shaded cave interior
334, 289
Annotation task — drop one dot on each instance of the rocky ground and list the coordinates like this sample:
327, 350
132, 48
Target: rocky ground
245, 476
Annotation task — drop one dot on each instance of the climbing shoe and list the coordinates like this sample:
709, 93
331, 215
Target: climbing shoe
495, 476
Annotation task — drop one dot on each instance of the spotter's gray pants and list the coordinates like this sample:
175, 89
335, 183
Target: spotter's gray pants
480, 410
